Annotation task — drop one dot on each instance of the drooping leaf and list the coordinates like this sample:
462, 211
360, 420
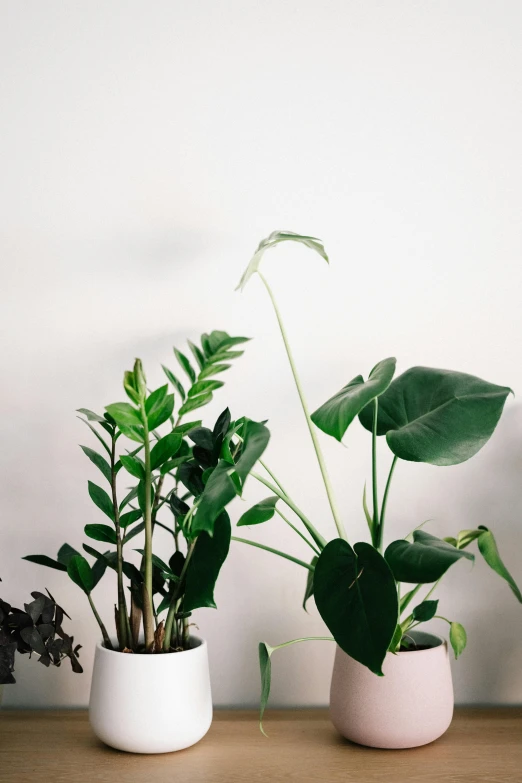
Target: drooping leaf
164, 449
101, 499
437, 416
489, 551
101, 533
336, 415
218, 492
100, 462
205, 565
275, 238
45, 561
309, 590
265, 666
80, 572
458, 638
261, 512
423, 561
425, 611
356, 596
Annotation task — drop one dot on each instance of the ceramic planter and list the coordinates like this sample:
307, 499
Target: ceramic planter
410, 706
151, 703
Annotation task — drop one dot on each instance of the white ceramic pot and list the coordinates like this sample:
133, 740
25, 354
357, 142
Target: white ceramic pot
410, 706
151, 703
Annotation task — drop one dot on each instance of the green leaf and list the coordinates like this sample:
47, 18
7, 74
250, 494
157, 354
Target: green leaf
225, 356
130, 496
202, 436
130, 517
185, 429
219, 491
124, 414
185, 365
101, 499
255, 441
96, 434
174, 381
437, 416
309, 589
65, 553
425, 611
369, 518
45, 561
465, 537
172, 464
458, 638
133, 465
261, 512
129, 384
90, 415
98, 570
205, 564
80, 572
356, 596
265, 666
396, 639
164, 449
134, 531
213, 369
133, 433
101, 533
203, 387
100, 462
489, 551
197, 354
336, 415
159, 412
424, 561
274, 239
195, 402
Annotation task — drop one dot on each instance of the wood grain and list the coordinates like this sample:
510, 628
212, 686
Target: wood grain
482, 746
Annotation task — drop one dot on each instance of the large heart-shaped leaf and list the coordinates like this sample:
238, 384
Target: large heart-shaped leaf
437, 416
275, 238
336, 415
205, 564
356, 596
425, 560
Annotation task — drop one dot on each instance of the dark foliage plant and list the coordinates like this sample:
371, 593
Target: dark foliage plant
35, 629
439, 417
182, 477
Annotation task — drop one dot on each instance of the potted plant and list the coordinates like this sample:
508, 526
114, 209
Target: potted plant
37, 628
369, 594
150, 690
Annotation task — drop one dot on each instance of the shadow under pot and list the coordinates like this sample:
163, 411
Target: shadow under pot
151, 703
411, 705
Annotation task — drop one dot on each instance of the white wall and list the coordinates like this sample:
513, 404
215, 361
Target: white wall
146, 149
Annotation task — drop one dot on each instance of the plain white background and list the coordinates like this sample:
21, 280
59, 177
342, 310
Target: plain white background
146, 149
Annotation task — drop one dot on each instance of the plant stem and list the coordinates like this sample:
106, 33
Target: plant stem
274, 479
275, 552
173, 608
304, 639
105, 635
432, 589
385, 503
318, 452
123, 617
375, 527
301, 535
408, 598
317, 537
148, 613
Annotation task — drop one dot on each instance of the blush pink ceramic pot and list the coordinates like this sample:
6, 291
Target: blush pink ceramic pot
410, 706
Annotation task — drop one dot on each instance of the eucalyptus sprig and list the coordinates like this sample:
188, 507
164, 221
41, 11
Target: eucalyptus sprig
435, 416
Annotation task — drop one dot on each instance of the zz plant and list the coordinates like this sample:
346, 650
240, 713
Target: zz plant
365, 591
189, 470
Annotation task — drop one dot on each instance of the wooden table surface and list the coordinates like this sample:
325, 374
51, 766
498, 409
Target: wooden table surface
481, 745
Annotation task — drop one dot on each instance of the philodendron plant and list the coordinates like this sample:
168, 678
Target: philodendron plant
192, 471
368, 594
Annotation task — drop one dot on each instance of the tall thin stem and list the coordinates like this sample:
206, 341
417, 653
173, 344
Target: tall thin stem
296, 530
123, 618
375, 493
274, 479
275, 552
317, 537
171, 614
385, 502
313, 435
148, 614
105, 635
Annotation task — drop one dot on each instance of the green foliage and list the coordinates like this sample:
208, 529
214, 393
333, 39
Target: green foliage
437, 416
336, 415
425, 611
80, 572
424, 561
261, 512
489, 551
458, 638
356, 596
101, 499
205, 564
